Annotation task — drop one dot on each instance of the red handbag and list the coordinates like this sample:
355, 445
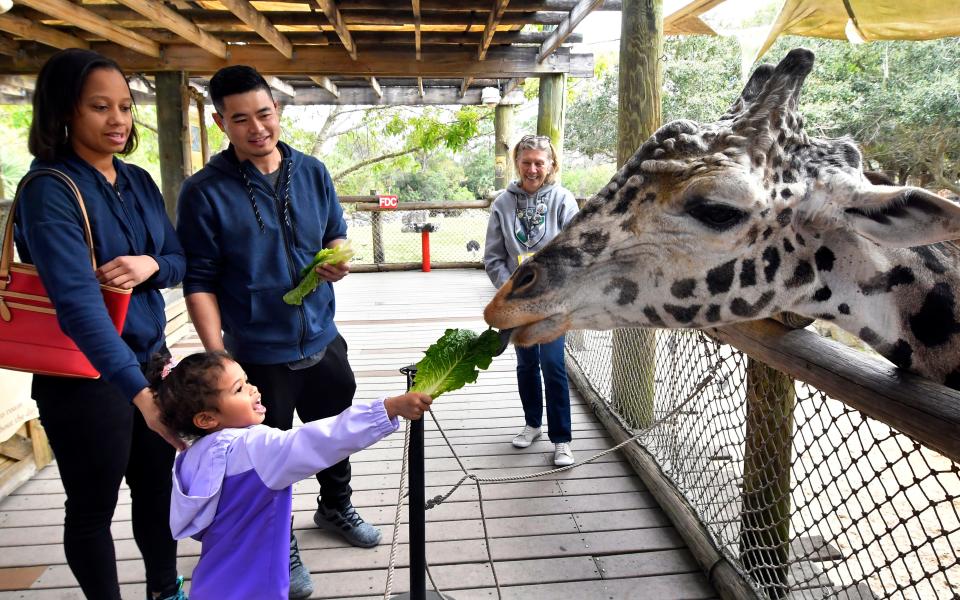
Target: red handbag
30, 337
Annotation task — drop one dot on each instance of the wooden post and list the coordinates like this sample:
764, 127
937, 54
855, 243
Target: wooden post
204, 142
765, 520
376, 229
638, 116
503, 132
553, 92
173, 135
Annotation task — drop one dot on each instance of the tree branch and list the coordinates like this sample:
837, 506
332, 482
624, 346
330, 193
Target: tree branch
373, 160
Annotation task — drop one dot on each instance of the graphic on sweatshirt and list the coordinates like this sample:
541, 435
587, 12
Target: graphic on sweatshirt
528, 224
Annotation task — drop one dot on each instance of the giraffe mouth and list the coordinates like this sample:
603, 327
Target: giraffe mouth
542, 331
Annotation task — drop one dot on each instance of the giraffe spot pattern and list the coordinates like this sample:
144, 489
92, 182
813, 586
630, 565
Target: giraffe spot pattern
824, 259
844, 309
823, 294
885, 282
653, 316
683, 314
720, 278
787, 246
627, 195
801, 241
930, 259
901, 354
953, 379
784, 217
713, 313
752, 234
627, 288
869, 336
742, 308
748, 273
683, 288
594, 242
934, 323
771, 259
767, 233
802, 275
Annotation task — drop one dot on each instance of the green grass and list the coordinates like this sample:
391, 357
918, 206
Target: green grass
448, 244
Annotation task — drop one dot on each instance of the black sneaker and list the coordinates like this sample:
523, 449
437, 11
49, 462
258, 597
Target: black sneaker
349, 524
300, 584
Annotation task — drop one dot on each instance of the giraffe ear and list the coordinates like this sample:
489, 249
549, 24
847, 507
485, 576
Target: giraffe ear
750, 91
902, 217
778, 96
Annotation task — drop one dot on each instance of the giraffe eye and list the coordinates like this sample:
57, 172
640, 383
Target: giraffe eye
717, 216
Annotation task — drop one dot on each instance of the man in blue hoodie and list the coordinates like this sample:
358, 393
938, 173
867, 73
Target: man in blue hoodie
249, 221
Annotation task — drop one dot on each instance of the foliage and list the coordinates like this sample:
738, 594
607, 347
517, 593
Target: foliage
455, 360
584, 181
478, 170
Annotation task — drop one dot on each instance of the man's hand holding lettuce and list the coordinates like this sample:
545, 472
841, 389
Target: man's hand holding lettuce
309, 279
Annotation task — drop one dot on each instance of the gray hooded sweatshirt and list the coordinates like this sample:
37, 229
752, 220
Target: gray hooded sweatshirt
521, 223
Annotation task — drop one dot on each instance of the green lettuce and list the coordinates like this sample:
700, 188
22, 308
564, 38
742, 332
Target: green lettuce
455, 360
309, 280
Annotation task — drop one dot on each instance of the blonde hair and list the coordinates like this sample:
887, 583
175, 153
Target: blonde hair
538, 142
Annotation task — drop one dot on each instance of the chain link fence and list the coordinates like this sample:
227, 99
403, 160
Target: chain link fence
806, 497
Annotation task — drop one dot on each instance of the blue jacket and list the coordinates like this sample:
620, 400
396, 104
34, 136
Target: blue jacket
127, 220
246, 243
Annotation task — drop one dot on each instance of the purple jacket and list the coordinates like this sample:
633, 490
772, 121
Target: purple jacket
232, 491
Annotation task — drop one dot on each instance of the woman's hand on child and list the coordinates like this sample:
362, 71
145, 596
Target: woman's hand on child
147, 403
411, 405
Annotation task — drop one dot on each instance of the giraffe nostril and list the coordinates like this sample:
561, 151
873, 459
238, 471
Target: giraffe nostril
525, 277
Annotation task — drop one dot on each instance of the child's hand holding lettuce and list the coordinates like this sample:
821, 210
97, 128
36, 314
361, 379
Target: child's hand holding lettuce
455, 360
309, 278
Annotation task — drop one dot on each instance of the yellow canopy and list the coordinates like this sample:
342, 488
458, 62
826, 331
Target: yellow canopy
867, 20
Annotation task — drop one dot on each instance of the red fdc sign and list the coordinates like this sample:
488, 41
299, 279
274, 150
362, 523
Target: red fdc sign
388, 200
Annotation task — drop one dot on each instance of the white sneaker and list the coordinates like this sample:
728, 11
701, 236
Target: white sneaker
562, 454
526, 437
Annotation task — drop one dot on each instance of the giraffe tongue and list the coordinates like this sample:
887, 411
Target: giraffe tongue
504, 340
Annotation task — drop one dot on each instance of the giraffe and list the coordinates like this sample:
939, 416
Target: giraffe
743, 218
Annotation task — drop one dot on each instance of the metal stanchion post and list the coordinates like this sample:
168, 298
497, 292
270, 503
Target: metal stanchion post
417, 510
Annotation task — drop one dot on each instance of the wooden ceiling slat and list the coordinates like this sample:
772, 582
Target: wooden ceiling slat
415, 4
330, 9
464, 85
468, 5
188, 30
8, 46
559, 35
27, 29
94, 23
496, 13
260, 24
326, 84
375, 86
362, 38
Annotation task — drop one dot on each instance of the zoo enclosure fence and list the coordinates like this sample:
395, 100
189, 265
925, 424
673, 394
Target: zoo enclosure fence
841, 483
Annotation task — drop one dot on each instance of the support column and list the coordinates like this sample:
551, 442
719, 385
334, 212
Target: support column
173, 127
638, 116
553, 92
502, 134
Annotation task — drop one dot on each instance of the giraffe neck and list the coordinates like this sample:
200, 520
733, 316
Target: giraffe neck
902, 302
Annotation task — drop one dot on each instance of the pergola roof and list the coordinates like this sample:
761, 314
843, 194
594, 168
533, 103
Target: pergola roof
317, 51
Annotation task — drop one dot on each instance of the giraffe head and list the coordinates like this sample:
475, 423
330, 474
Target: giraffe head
722, 222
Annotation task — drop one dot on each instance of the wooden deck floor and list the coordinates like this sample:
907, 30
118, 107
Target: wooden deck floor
590, 533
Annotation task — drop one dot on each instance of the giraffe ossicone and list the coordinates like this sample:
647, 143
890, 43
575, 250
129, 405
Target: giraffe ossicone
743, 218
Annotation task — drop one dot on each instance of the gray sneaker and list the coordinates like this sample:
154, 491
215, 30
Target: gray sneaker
349, 524
300, 584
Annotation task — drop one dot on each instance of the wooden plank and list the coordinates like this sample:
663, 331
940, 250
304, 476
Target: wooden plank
7, 45
375, 86
914, 405
415, 5
256, 20
493, 19
330, 9
559, 35
27, 29
502, 62
160, 15
326, 84
94, 23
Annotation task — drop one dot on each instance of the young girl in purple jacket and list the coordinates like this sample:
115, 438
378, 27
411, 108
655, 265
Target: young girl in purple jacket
232, 488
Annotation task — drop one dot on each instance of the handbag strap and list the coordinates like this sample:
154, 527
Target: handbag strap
6, 256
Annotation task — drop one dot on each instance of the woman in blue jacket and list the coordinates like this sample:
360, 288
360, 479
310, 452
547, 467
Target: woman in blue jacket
100, 429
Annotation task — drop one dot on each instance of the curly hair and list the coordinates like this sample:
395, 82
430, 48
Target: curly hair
189, 388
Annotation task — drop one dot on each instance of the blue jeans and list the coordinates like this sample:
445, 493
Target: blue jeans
547, 358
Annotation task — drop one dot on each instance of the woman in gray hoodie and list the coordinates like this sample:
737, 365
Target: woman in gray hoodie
526, 216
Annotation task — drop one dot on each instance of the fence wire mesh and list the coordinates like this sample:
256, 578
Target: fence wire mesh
392, 237
808, 497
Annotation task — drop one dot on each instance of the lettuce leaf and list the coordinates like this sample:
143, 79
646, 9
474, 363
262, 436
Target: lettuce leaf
455, 360
309, 280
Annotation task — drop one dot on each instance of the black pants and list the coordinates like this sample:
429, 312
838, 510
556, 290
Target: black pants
324, 390
98, 438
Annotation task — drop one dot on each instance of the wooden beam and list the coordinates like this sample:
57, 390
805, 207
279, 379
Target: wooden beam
326, 84
559, 35
8, 46
94, 23
27, 29
329, 9
416, 26
496, 13
375, 86
420, 86
247, 13
471, 5
392, 96
173, 137
465, 85
454, 63
368, 38
158, 13
279, 85
511, 85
